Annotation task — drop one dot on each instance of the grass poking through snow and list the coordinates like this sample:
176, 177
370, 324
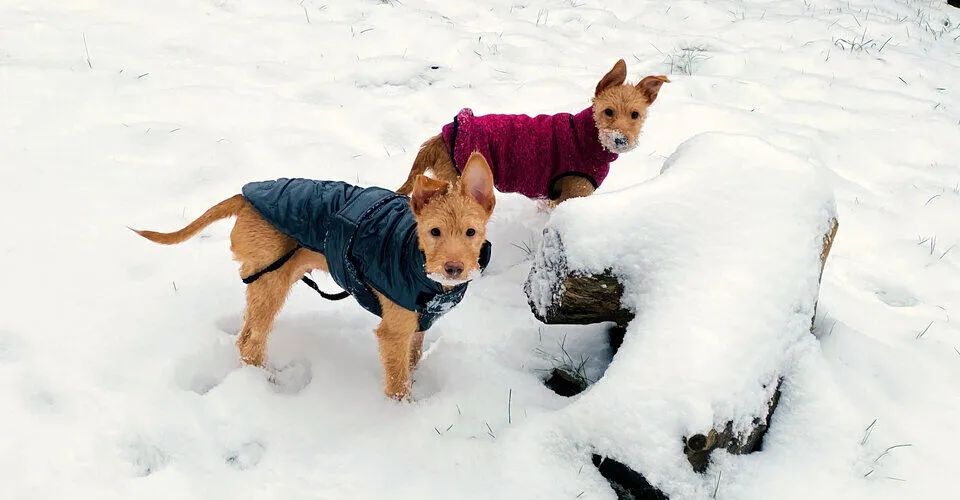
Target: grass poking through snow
86, 51
565, 362
684, 60
924, 331
526, 247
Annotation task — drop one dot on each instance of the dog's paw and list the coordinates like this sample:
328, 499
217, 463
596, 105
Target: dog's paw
292, 377
247, 456
400, 398
398, 393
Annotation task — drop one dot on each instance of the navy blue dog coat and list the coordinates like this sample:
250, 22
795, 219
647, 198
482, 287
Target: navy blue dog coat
368, 236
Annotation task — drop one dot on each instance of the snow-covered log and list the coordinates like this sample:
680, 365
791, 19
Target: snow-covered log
592, 298
559, 295
713, 270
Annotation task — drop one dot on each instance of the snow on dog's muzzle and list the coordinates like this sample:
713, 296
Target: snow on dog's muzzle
615, 141
448, 281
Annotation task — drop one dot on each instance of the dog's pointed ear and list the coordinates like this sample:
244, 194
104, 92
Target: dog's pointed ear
476, 181
650, 86
424, 190
615, 76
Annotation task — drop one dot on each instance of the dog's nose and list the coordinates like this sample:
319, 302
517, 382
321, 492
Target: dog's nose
453, 269
620, 141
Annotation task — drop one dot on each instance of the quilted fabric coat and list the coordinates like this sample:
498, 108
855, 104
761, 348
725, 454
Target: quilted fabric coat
528, 155
368, 236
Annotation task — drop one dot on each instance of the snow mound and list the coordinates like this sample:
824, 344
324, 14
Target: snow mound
719, 256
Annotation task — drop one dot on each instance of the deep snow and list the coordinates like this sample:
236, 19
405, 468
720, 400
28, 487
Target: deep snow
723, 279
117, 371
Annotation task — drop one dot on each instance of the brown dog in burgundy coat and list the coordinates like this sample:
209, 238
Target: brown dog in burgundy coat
554, 157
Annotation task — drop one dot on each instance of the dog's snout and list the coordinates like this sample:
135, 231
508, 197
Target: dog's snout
453, 269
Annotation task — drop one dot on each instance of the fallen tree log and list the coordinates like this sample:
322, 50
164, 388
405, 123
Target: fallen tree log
750, 245
579, 298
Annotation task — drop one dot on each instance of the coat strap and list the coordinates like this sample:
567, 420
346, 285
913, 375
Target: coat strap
277, 264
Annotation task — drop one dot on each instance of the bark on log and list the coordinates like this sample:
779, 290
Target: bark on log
573, 298
626, 482
588, 299
698, 447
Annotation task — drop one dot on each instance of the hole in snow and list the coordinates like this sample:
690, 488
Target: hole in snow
247, 456
896, 297
145, 457
292, 377
579, 356
230, 325
203, 371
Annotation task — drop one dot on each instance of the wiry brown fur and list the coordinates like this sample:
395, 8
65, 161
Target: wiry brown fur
255, 243
612, 92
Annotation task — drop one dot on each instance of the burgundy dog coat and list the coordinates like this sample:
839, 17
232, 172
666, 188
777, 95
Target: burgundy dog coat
529, 155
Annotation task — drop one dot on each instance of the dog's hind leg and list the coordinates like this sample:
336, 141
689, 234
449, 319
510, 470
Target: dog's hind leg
266, 295
418, 169
432, 156
444, 171
265, 298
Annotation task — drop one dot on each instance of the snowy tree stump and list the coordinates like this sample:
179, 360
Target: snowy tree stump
579, 298
715, 251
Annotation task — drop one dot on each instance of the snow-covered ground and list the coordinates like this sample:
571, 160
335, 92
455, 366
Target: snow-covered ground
118, 375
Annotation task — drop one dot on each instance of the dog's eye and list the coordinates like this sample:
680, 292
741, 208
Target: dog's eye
635, 115
435, 232
471, 232
608, 112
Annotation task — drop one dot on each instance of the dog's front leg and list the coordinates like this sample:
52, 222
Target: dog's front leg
572, 186
416, 349
395, 338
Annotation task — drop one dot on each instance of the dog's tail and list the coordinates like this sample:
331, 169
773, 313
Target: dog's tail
226, 208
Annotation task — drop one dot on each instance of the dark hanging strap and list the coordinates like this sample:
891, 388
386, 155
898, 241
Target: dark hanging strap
312, 284
272, 267
329, 296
